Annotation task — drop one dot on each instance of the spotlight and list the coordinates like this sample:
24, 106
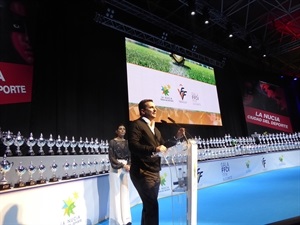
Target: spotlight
192, 7
110, 13
229, 30
194, 48
164, 36
205, 13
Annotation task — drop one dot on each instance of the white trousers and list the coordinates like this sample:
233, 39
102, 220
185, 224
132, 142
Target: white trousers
119, 210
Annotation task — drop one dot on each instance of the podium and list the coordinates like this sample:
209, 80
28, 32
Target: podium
192, 182
189, 182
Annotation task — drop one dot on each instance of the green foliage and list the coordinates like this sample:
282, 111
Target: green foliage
159, 60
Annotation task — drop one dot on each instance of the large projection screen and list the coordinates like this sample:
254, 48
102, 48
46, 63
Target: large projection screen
182, 89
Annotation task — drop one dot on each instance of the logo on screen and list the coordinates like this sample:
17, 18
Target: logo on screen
182, 92
166, 89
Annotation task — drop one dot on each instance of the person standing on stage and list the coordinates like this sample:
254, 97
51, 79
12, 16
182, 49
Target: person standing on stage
119, 156
145, 141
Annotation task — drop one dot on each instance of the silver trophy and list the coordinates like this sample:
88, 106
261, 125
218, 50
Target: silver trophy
102, 166
5, 166
87, 145
50, 144
74, 167
41, 169
31, 170
80, 146
18, 142
58, 144
95, 164
89, 165
53, 168
73, 144
82, 166
41, 143
96, 146
8, 140
30, 143
92, 143
20, 170
66, 144
66, 167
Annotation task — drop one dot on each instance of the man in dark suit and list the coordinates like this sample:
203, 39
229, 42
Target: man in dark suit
145, 141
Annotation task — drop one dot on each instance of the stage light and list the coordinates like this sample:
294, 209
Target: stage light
110, 13
205, 14
194, 48
229, 30
164, 36
192, 7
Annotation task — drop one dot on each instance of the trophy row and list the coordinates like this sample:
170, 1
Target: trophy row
92, 167
62, 146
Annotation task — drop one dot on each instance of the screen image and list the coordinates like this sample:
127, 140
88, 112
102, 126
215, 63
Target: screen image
181, 89
265, 108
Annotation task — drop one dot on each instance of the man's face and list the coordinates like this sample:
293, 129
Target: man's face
149, 111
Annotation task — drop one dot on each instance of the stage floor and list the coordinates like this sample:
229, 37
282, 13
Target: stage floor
261, 199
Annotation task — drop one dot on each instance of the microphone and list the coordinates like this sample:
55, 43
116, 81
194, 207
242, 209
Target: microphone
173, 121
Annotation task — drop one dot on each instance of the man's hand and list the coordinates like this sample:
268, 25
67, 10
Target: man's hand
161, 148
180, 133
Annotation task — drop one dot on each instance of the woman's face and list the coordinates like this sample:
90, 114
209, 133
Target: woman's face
19, 36
121, 131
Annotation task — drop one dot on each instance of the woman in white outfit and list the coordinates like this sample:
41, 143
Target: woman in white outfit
119, 156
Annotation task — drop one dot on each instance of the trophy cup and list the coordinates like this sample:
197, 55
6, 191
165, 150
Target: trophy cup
66, 167
5, 166
80, 145
58, 144
95, 164
20, 170
102, 166
106, 146
41, 169
73, 144
89, 165
41, 143
74, 167
8, 140
96, 146
82, 165
31, 170
92, 143
30, 143
102, 145
107, 165
66, 144
18, 142
87, 145
50, 144
53, 168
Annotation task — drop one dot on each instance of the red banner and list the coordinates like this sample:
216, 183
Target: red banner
268, 119
15, 83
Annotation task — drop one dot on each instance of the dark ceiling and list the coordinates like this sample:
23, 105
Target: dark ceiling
271, 26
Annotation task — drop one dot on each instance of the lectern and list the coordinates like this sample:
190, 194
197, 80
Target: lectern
189, 181
192, 182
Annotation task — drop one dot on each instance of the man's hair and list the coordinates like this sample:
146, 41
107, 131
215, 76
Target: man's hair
142, 104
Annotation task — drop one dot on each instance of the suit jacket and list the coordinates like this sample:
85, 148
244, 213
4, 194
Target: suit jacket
142, 144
